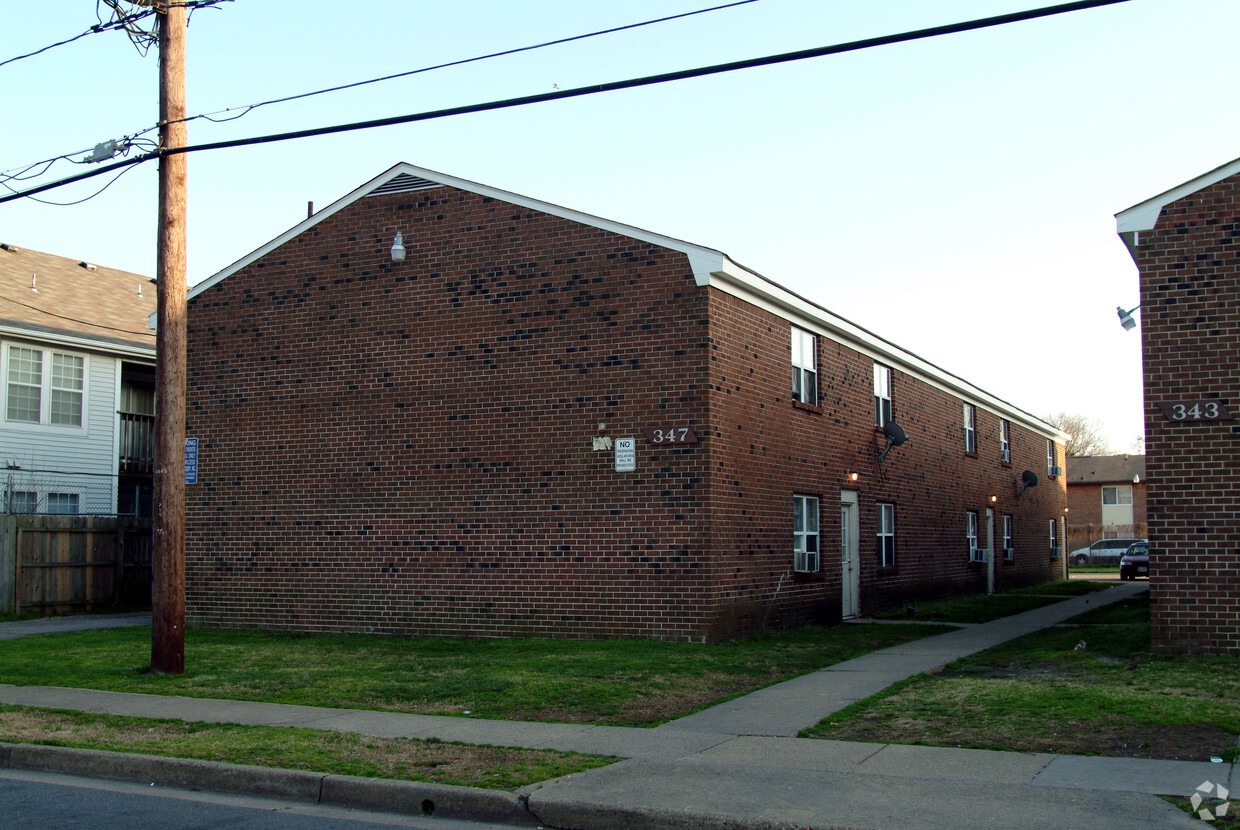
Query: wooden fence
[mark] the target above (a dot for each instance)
(1082, 536)
(60, 564)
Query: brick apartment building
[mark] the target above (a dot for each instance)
(1106, 498)
(544, 423)
(1185, 245)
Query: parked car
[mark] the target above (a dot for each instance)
(1102, 552)
(1135, 561)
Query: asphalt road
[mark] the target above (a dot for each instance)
(37, 801)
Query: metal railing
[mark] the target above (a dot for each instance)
(137, 452)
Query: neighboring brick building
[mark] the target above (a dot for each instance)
(1106, 498)
(1186, 244)
(431, 446)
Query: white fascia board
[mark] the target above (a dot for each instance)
(747, 285)
(710, 268)
(1142, 217)
(84, 344)
(696, 253)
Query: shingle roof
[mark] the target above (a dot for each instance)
(75, 301)
(1105, 469)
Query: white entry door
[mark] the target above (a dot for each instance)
(850, 571)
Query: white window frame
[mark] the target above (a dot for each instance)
(806, 549)
(804, 367)
(1052, 469)
(971, 521)
(46, 389)
(1009, 545)
(1118, 492)
(1054, 539)
(970, 428)
(1005, 441)
(74, 498)
(886, 535)
(882, 395)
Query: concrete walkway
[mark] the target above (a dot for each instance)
(734, 765)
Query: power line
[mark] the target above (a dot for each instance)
(79, 201)
(613, 86)
(245, 110)
(122, 21)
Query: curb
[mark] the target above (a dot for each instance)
(378, 794)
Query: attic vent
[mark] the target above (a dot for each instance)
(403, 183)
(89, 266)
(12, 249)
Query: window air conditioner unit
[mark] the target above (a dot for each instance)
(979, 555)
(1055, 552)
(805, 562)
(1005, 456)
(1056, 471)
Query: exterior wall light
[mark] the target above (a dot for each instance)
(398, 248)
(852, 475)
(1125, 317)
(994, 499)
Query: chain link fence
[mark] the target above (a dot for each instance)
(43, 492)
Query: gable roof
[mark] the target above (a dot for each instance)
(1105, 469)
(1143, 216)
(710, 268)
(54, 299)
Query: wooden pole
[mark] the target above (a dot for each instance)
(168, 578)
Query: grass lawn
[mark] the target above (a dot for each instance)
(1089, 687)
(983, 608)
(291, 748)
(622, 682)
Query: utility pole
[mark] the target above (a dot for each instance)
(168, 571)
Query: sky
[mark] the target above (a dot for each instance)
(955, 195)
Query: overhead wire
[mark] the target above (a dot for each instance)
(246, 109)
(121, 20)
(613, 86)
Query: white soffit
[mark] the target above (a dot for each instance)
(1142, 217)
(710, 268)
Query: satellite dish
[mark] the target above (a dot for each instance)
(1029, 479)
(895, 437)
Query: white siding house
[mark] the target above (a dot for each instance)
(76, 386)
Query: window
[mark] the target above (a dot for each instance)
(1054, 540)
(886, 535)
(1005, 441)
(805, 534)
(1009, 547)
(970, 428)
(1118, 494)
(882, 395)
(21, 501)
(804, 368)
(971, 531)
(1052, 469)
(64, 504)
(44, 387)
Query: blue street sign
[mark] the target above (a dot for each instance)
(191, 460)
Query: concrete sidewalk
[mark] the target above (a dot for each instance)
(735, 765)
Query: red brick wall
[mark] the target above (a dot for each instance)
(1085, 504)
(769, 448)
(1190, 341)
(407, 448)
